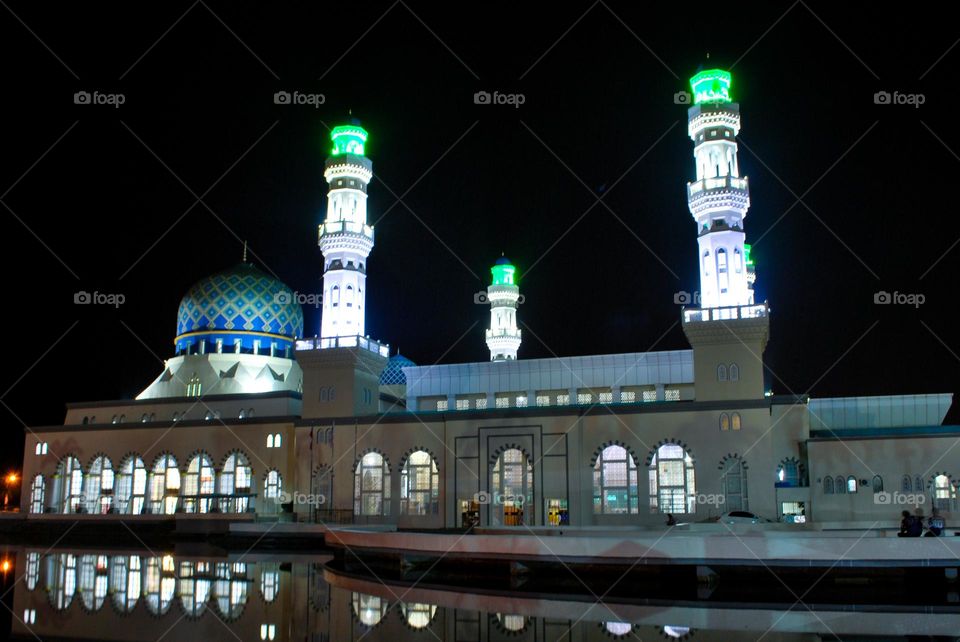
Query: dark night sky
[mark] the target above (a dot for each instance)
(598, 98)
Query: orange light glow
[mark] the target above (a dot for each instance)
(5, 566)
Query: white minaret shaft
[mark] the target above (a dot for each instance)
(503, 337)
(720, 197)
(345, 238)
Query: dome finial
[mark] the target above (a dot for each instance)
(244, 251)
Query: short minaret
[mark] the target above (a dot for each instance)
(503, 337)
(719, 197)
(345, 238)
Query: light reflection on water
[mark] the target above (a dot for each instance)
(137, 595)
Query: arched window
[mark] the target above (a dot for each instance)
(335, 296)
(269, 581)
(722, 269)
(721, 372)
(905, 484)
(706, 263)
(273, 487)
(369, 609)
(724, 421)
(944, 493)
(69, 486)
(37, 492)
(198, 484)
(512, 623)
(737, 261)
(734, 372)
(235, 483)
(788, 472)
(92, 583)
(918, 485)
(193, 386)
(417, 615)
(159, 584)
(512, 478)
(230, 588)
(618, 629)
(349, 296)
(32, 574)
(877, 484)
(61, 580)
(194, 587)
(841, 485)
(734, 483)
(851, 484)
(828, 485)
(321, 485)
(672, 482)
(371, 486)
(125, 582)
(131, 486)
(615, 482)
(164, 485)
(98, 487)
(419, 485)
(735, 421)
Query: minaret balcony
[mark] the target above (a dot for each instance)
(352, 341)
(345, 235)
(718, 194)
(698, 315)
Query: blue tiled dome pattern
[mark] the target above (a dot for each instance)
(241, 299)
(393, 373)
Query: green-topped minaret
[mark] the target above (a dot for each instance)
(503, 337)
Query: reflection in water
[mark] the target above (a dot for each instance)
(147, 595)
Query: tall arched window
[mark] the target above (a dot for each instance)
(906, 485)
(125, 582)
(918, 485)
(92, 583)
(98, 487)
(877, 484)
(131, 486)
(369, 609)
(615, 482)
(269, 581)
(164, 485)
(734, 484)
(419, 485)
(37, 492)
(944, 493)
(724, 421)
(841, 485)
(828, 485)
(734, 372)
(706, 263)
(69, 486)
(61, 580)
(321, 486)
(273, 487)
(851, 484)
(198, 484)
(737, 260)
(349, 296)
(230, 588)
(721, 372)
(672, 482)
(417, 615)
(194, 587)
(335, 296)
(788, 472)
(735, 421)
(512, 480)
(371, 486)
(235, 479)
(722, 270)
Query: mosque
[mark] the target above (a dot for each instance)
(252, 420)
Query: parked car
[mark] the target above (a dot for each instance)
(741, 517)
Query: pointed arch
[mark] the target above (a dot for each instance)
(419, 483)
(733, 482)
(672, 478)
(615, 480)
(371, 484)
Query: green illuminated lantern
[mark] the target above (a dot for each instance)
(746, 255)
(503, 272)
(711, 86)
(348, 139)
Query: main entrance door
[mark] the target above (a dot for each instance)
(511, 501)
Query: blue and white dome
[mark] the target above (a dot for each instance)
(239, 310)
(393, 373)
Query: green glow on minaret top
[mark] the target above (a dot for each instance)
(503, 272)
(711, 86)
(746, 255)
(348, 139)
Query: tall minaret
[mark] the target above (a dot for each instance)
(720, 197)
(503, 337)
(345, 237)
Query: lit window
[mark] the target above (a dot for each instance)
(724, 421)
(419, 485)
(672, 394)
(198, 484)
(628, 396)
(735, 420)
(615, 482)
(503, 402)
(441, 405)
(563, 400)
(584, 398)
(270, 441)
(605, 397)
(649, 395)
(418, 615)
(277, 438)
(788, 472)
(371, 486)
(463, 404)
(851, 484)
(29, 616)
(268, 631)
(672, 481)
(543, 400)
(37, 492)
(522, 401)
(481, 403)
(164, 485)
(369, 609)
(235, 484)
(272, 487)
(944, 493)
